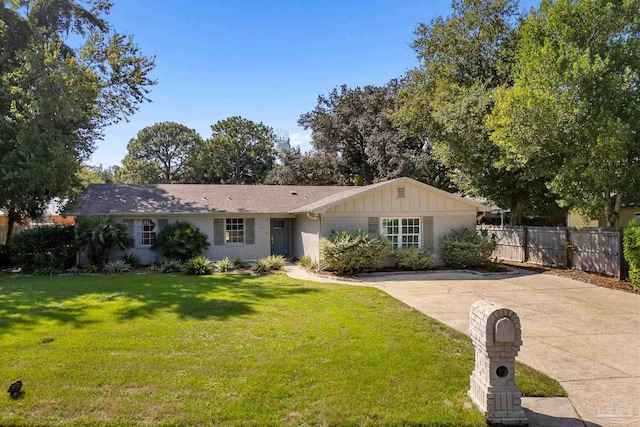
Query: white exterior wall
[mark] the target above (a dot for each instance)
(330, 223)
(260, 249)
(305, 237)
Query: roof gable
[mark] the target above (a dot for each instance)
(354, 193)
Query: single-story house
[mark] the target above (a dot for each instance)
(254, 221)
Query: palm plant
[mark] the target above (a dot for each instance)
(181, 240)
(99, 235)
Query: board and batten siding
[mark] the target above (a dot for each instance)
(416, 199)
(439, 214)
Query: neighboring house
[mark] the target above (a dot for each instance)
(50, 218)
(629, 211)
(254, 221)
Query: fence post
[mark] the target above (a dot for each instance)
(623, 266)
(568, 248)
(525, 242)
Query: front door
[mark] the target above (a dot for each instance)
(280, 237)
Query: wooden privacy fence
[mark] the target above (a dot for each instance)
(597, 250)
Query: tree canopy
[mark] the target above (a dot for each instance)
(575, 106)
(239, 151)
(354, 126)
(159, 154)
(464, 58)
(64, 76)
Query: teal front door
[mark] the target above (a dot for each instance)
(280, 237)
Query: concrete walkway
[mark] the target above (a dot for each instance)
(586, 337)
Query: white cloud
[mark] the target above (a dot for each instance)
(301, 139)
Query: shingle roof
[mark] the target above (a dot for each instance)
(108, 199)
(123, 199)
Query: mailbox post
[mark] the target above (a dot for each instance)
(496, 335)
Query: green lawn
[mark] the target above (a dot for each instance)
(229, 351)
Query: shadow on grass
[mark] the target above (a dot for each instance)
(27, 301)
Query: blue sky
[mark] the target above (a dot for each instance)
(266, 61)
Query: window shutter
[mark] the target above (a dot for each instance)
(218, 232)
(250, 231)
(162, 223)
(427, 233)
(374, 224)
(130, 227)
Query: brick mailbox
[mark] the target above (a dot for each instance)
(496, 335)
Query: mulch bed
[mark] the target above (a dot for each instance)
(582, 276)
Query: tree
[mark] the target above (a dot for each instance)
(464, 57)
(312, 168)
(354, 126)
(159, 154)
(55, 99)
(239, 151)
(575, 104)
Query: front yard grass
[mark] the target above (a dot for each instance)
(228, 351)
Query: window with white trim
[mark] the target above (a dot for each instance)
(234, 230)
(402, 232)
(146, 232)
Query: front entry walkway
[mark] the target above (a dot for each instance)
(586, 337)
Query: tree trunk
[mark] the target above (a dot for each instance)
(613, 206)
(12, 218)
(517, 211)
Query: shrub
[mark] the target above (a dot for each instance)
(276, 262)
(5, 256)
(99, 235)
(117, 266)
(414, 258)
(347, 252)
(464, 248)
(181, 240)
(262, 266)
(632, 251)
(132, 259)
(44, 247)
(198, 266)
(239, 263)
(225, 265)
(89, 269)
(46, 271)
(171, 266)
(308, 263)
(269, 263)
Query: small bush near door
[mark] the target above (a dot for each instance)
(632, 252)
(464, 248)
(347, 252)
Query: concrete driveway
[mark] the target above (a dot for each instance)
(586, 337)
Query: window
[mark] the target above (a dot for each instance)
(402, 232)
(234, 230)
(146, 232)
